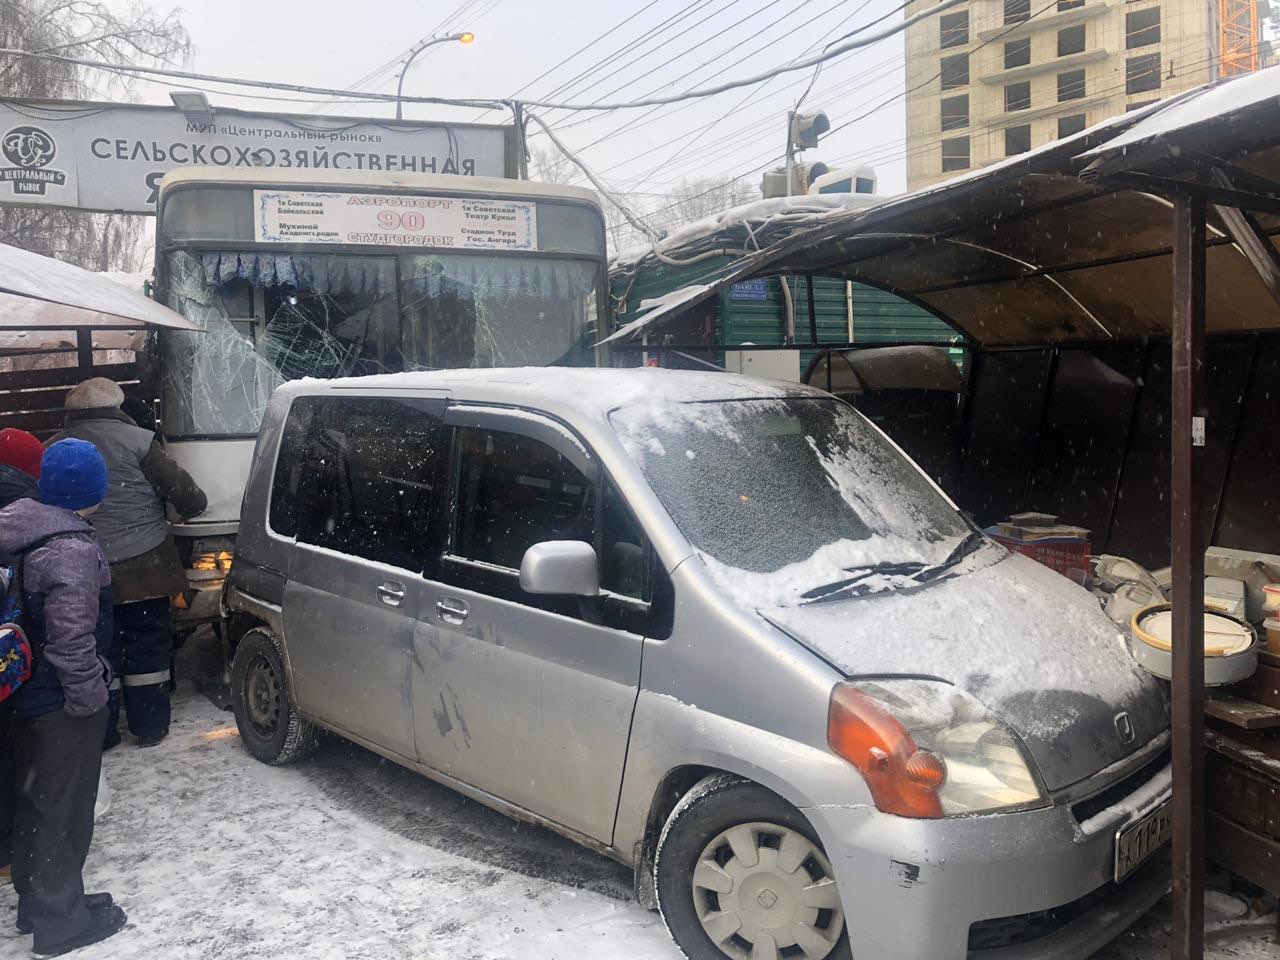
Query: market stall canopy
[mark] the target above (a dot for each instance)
(886, 368)
(38, 292)
(1066, 242)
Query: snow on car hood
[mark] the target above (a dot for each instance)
(1026, 641)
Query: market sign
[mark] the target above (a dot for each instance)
(393, 220)
(110, 157)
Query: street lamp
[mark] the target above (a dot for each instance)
(465, 37)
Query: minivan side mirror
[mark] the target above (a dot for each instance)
(561, 566)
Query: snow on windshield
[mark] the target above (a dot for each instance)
(784, 495)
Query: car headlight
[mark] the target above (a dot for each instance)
(927, 749)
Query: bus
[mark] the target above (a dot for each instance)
(335, 273)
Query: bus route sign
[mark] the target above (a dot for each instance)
(394, 220)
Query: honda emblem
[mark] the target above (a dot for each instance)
(1124, 727)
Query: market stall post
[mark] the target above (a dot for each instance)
(1187, 438)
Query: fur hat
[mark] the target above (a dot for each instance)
(72, 475)
(96, 393)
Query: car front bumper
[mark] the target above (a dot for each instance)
(1036, 886)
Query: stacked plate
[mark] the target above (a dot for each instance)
(1230, 645)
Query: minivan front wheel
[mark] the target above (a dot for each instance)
(741, 875)
(269, 727)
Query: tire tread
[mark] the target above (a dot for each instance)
(301, 737)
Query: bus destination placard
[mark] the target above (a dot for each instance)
(394, 220)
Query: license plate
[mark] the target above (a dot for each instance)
(1140, 839)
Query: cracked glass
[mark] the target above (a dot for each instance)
(266, 318)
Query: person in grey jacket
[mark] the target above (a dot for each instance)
(134, 532)
(59, 715)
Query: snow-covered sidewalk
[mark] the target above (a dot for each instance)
(348, 857)
(215, 855)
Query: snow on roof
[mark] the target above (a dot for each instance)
(667, 301)
(399, 180)
(582, 390)
(1200, 105)
(135, 281)
(1060, 158)
(754, 216)
(92, 299)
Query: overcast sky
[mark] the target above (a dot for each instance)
(337, 44)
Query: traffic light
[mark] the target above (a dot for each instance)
(807, 128)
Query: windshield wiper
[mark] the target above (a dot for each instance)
(909, 573)
(971, 542)
(847, 586)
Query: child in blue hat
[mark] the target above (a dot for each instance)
(59, 715)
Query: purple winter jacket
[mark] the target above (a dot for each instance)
(66, 579)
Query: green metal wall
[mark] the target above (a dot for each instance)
(878, 317)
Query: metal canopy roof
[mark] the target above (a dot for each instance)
(1065, 242)
(40, 292)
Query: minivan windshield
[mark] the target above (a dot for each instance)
(785, 495)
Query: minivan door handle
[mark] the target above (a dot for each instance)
(391, 592)
(452, 610)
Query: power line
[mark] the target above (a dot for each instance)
(480, 102)
(581, 49)
(853, 43)
(719, 33)
(638, 120)
(748, 131)
(655, 31)
(754, 93)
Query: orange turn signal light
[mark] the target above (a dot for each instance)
(903, 779)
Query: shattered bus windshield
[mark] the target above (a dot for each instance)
(338, 316)
(521, 287)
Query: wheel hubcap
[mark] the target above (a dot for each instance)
(262, 697)
(760, 890)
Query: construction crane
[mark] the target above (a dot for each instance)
(1237, 37)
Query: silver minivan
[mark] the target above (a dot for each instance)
(718, 628)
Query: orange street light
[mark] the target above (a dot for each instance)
(465, 37)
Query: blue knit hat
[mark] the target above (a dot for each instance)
(72, 475)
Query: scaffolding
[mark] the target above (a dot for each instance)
(1237, 37)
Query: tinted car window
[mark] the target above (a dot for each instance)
(513, 492)
(357, 475)
(623, 549)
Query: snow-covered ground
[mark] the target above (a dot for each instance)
(346, 856)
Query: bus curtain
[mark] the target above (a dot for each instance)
(456, 276)
(315, 273)
(444, 276)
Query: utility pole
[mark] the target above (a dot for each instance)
(791, 153)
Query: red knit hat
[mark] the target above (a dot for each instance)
(21, 450)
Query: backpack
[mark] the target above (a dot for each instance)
(17, 659)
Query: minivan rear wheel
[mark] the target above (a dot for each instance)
(269, 726)
(740, 874)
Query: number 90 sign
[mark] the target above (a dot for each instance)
(395, 220)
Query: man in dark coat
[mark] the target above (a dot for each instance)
(134, 532)
(59, 715)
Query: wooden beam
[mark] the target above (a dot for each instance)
(1171, 187)
(1187, 538)
(1244, 714)
(1250, 238)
